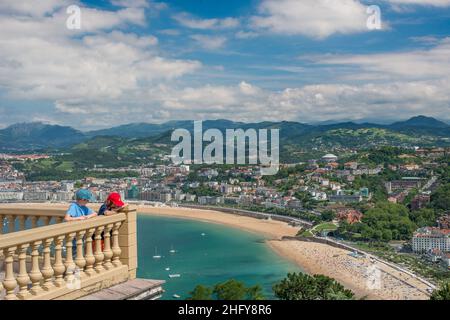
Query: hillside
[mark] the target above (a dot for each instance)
(417, 131)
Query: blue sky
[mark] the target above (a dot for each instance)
(246, 60)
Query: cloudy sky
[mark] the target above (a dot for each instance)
(245, 60)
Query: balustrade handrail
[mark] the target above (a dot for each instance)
(46, 262)
(51, 212)
(52, 231)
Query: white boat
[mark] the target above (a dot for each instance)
(203, 234)
(167, 269)
(156, 256)
(172, 250)
(176, 275)
(176, 296)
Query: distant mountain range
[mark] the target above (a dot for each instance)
(420, 130)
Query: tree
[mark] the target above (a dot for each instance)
(200, 292)
(328, 215)
(443, 293)
(440, 199)
(228, 290)
(78, 185)
(423, 217)
(300, 286)
(236, 290)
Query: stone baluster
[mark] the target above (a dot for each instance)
(99, 256)
(35, 273)
(69, 264)
(47, 270)
(9, 283)
(59, 219)
(115, 245)
(46, 220)
(34, 222)
(79, 260)
(107, 249)
(58, 266)
(22, 278)
(11, 222)
(22, 220)
(90, 258)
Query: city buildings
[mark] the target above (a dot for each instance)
(430, 238)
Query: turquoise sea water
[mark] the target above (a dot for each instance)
(222, 253)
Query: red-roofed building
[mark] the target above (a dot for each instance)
(430, 238)
(350, 215)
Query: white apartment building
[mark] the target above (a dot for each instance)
(10, 195)
(428, 238)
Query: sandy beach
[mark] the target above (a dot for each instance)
(313, 258)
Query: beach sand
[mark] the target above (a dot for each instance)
(313, 258)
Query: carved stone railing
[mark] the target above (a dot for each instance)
(67, 260)
(18, 219)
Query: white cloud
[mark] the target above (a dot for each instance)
(246, 34)
(209, 42)
(109, 76)
(419, 64)
(436, 3)
(33, 8)
(189, 21)
(131, 3)
(41, 60)
(312, 18)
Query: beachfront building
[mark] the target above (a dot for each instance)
(11, 196)
(208, 200)
(430, 238)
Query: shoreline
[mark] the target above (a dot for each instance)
(310, 257)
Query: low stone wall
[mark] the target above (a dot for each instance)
(253, 214)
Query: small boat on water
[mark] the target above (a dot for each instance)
(167, 269)
(172, 250)
(203, 234)
(176, 275)
(156, 256)
(176, 296)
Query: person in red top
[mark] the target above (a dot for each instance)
(112, 205)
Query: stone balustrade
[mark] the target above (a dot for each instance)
(18, 219)
(67, 260)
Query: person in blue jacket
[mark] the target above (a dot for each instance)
(78, 210)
